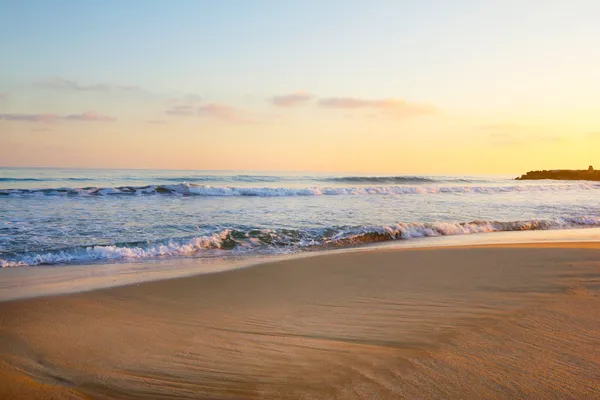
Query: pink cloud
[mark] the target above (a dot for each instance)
(224, 113)
(395, 107)
(292, 99)
(89, 116)
(48, 117)
(30, 117)
(184, 107)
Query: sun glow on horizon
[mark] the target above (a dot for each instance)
(455, 88)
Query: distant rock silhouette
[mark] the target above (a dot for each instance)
(563, 174)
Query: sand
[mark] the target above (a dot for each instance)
(509, 321)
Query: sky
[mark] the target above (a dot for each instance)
(430, 87)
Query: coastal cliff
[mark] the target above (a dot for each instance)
(563, 174)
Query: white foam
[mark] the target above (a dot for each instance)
(108, 253)
(286, 241)
(191, 189)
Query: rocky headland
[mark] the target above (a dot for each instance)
(563, 174)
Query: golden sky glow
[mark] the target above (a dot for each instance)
(472, 88)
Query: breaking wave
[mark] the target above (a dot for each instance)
(399, 180)
(382, 179)
(191, 189)
(21, 180)
(257, 178)
(277, 241)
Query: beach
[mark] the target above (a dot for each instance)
(299, 200)
(489, 321)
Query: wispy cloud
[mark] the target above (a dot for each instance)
(64, 84)
(511, 133)
(30, 117)
(57, 83)
(89, 116)
(191, 98)
(225, 113)
(217, 111)
(183, 106)
(395, 107)
(49, 117)
(181, 110)
(292, 99)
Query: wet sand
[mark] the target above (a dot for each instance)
(507, 321)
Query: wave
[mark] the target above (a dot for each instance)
(43, 179)
(21, 180)
(191, 189)
(218, 178)
(381, 179)
(256, 178)
(190, 178)
(278, 241)
(399, 180)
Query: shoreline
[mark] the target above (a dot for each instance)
(18, 283)
(386, 323)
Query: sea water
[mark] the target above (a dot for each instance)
(74, 216)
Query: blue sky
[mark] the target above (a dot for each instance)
(425, 49)
(506, 61)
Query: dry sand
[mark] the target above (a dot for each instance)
(472, 322)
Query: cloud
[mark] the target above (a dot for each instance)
(188, 100)
(89, 116)
(181, 110)
(395, 107)
(30, 117)
(131, 89)
(210, 110)
(183, 106)
(64, 84)
(225, 113)
(510, 133)
(40, 130)
(292, 99)
(157, 122)
(191, 98)
(57, 83)
(49, 117)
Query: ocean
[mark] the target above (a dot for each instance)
(74, 216)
